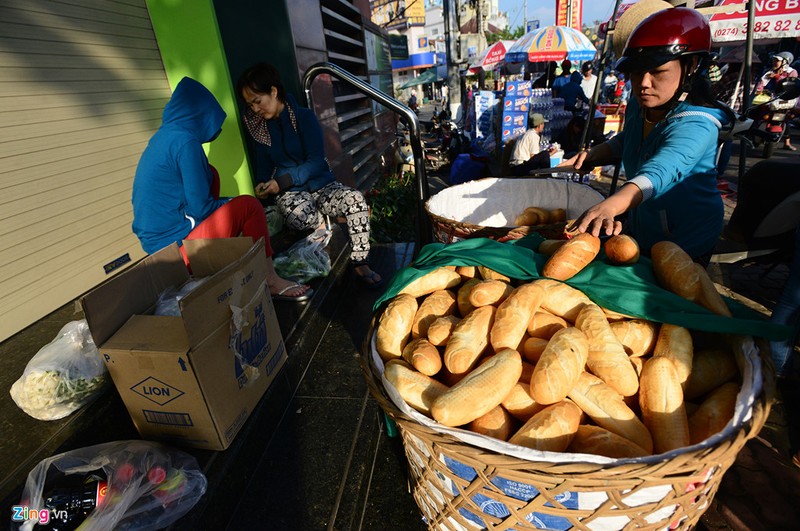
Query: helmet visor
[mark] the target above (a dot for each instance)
(644, 59)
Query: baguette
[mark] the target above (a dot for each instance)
(467, 272)
(423, 356)
(419, 391)
(714, 413)
(675, 343)
(621, 250)
(519, 402)
(437, 304)
(480, 391)
(533, 347)
(548, 247)
(710, 369)
(607, 409)
(561, 299)
(551, 429)
(488, 292)
(469, 339)
(497, 423)
(513, 315)
(439, 278)
(440, 330)
(558, 215)
(708, 296)
(572, 257)
(545, 324)
(462, 296)
(394, 326)
(491, 274)
(599, 441)
(607, 358)
(661, 402)
(560, 366)
(638, 336)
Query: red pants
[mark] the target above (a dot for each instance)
(243, 215)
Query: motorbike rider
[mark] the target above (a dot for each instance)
(780, 69)
(668, 145)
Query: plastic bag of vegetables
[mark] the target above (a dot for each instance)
(64, 375)
(305, 259)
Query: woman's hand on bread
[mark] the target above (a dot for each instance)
(599, 220)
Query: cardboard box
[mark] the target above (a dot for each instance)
(519, 88)
(516, 104)
(191, 379)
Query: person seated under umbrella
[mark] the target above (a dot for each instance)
(528, 154)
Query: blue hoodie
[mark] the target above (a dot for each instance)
(172, 186)
(675, 168)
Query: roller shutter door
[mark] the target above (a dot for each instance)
(82, 87)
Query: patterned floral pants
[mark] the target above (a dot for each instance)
(304, 210)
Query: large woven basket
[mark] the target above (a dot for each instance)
(486, 208)
(461, 486)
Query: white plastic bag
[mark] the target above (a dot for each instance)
(64, 375)
(137, 486)
(305, 259)
(167, 303)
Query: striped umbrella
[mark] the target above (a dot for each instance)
(551, 43)
(491, 57)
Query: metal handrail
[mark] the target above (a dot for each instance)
(425, 234)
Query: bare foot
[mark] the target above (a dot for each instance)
(368, 276)
(281, 286)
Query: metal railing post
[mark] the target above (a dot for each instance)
(424, 229)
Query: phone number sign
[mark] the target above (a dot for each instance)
(774, 19)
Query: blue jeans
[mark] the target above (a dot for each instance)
(787, 312)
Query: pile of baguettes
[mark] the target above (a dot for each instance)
(540, 365)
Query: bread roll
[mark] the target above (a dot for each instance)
(497, 423)
(661, 401)
(467, 272)
(533, 347)
(440, 330)
(462, 297)
(548, 247)
(621, 250)
(439, 278)
(480, 391)
(675, 343)
(676, 272)
(491, 274)
(560, 366)
(551, 429)
(419, 391)
(513, 315)
(438, 304)
(545, 324)
(710, 369)
(638, 336)
(613, 316)
(599, 441)
(558, 215)
(714, 413)
(423, 356)
(519, 402)
(394, 327)
(607, 409)
(488, 292)
(527, 218)
(561, 299)
(572, 257)
(542, 215)
(469, 339)
(527, 371)
(607, 358)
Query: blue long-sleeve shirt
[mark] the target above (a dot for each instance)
(172, 186)
(675, 168)
(295, 148)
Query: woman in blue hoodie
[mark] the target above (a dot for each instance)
(291, 165)
(176, 191)
(669, 143)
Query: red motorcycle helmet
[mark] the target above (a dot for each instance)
(664, 36)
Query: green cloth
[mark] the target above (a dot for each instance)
(631, 290)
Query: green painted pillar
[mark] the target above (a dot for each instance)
(190, 44)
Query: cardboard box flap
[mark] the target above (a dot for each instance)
(142, 333)
(209, 256)
(208, 306)
(109, 306)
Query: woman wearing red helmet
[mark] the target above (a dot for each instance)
(668, 145)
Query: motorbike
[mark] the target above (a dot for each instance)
(771, 115)
(767, 211)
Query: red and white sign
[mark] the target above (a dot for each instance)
(774, 19)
